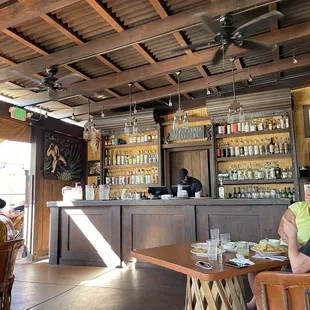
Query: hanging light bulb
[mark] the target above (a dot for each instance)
(46, 116)
(294, 59)
(250, 80)
(73, 116)
(170, 102)
(175, 124)
(208, 91)
(85, 134)
(185, 122)
(135, 109)
(102, 114)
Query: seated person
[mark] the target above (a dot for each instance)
(299, 257)
(301, 212)
(7, 231)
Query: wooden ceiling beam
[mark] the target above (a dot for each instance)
(273, 27)
(132, 36)
(240, 68)
(52, 21)
(109, 18)
(23, 11)
(194, 85)
(182, 62)
(158, 6)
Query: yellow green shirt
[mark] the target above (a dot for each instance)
(302, 219)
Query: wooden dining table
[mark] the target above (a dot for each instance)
(219, 288)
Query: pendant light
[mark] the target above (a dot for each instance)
(131, 125)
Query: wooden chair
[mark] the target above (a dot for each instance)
(282, 290)
(8, 254)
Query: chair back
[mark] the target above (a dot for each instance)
(282, 290)
(3, 232)
(8, 254)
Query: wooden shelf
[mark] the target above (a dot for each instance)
(130, 166)
(123, 146)
(253, 133)
(132, 185)
(235, 158)
(274, 181)
(186, 144)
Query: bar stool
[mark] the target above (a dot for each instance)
(8, 254)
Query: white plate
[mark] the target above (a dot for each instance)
(263, 253)
(199, 245)
(205, 254)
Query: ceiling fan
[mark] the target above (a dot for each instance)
(54, 85)
(226, 34)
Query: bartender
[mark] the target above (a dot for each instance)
(194, 183)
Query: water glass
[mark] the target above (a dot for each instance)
(225, 238)
(243, 248)
(212, 249)
(215, 234)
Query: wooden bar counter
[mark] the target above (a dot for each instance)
(103, 233)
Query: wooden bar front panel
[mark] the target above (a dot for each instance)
(90, 236)
(151, 226)
(250, 223)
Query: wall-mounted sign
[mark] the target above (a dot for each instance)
(193, 132)
(18, 113)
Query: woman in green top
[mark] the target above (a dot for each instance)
(301, 211)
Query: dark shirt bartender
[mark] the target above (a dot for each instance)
(194, 183)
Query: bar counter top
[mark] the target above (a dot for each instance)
(167, 202)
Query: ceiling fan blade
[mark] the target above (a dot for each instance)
(195, 46)
(256, 45)
(26, 88)
(251, 27)
(208, 24)
(69, 79)
(84, 93)
(27, 77)
(53, 95)
(218, 56)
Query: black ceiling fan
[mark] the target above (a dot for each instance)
(54, 85)
(226, 34)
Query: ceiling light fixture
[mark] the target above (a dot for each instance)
(102, 113)
(46, 116)
(89, 126)
(235, 108)
(250, 80)
(170, 102)
(208, 91)
(73, 116)
(131, 122)
(179, 115)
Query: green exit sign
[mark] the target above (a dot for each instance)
(18, 113)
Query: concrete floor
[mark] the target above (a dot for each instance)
(42, 287)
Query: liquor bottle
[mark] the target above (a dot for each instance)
(274, 124)
(106, 160)
(111, 159)
(145, 157)
(246, 127)
(285, 146)
(234, 195)
(278, 124)
(250, 173)
(242, 192)
(219, 129)
(221, 190)
(141, 157)
(228, 129)
(256, 148)
(266, 146)
(277, 172)
(251, 148)
(218, 151)
(261, 147)
(118, 158)
(276, 147)
(289, 194)
(287, 124)
(232, 149)
(253, 126)
(237, 149)
(223, 128)
(260, 126)
(126, 159)
(246, 148)
(282, 122)
(281, 147)
(239, 193)
(122, 156)
(293, 195)
(241, 148)
(235, 174)
(270, 124)
(223, 150)
(271, 146)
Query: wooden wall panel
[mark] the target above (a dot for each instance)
(254, 222)
(150, 226)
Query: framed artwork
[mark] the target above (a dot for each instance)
(62, 157)
(307, 120)
(93, 168)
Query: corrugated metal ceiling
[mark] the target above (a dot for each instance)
(177, 6)
(155, 82)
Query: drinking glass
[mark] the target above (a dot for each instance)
(225, 238)
(243, 248)
(212, 249)
(215, 234)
